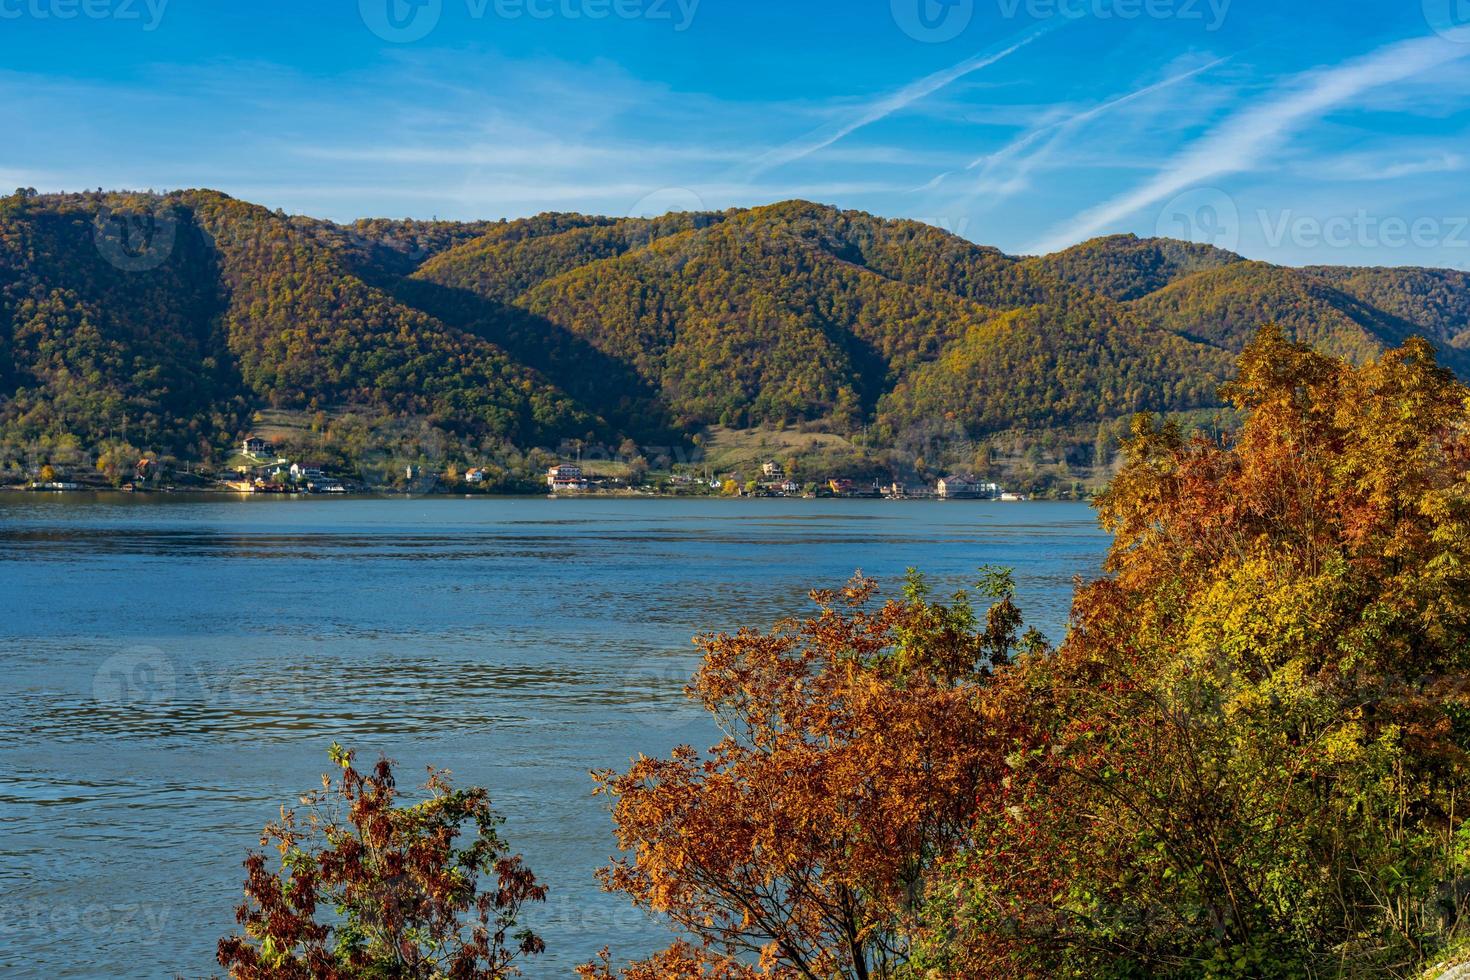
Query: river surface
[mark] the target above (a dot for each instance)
(176, 667)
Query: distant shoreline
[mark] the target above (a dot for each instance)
(458, 495)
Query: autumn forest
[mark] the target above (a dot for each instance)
(165, 324)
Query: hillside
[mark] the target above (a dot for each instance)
(1045, 366)
(1226, 307)
(167, 323)
(91, 347)
(1435, 301)
(1126, 267)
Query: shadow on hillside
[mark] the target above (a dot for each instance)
(602, 383)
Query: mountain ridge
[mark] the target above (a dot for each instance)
(169, 322)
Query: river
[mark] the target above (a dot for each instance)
(177, 666)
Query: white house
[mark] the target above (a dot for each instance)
(566, 478)
(967, 488)
(255, 446)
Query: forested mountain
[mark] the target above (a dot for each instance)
(95, 341)
(1055, 365)
(1125, 267)
(167, 321)
(1435, 301)
(1227, 306)
(307, 333)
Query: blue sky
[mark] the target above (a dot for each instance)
(1295, 131)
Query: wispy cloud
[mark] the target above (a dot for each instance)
(541, 153)
(886, 106)
(513, 196)
(1382, 166)
(1245, 139)
(1007, 172)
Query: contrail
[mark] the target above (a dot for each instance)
(992, 161)
(888, 105)
(1243, 140)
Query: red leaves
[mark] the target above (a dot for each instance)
(681, 961)
(855, 754)
(405, 901)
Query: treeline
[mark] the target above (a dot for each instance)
(167, 321)
(1247, 757)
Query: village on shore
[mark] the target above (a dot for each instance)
(570, 478)
(257, 468)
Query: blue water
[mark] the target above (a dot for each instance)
(176, 668)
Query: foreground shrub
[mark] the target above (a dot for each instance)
(803, 843)
(1249, 756)
(365, 888)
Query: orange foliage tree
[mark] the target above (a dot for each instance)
(802, 844)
